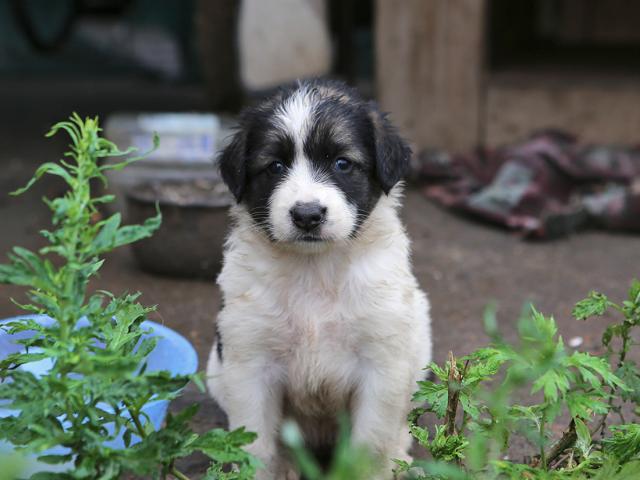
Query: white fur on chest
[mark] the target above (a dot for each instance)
(319, 320)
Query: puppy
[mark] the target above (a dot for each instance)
(322, 313)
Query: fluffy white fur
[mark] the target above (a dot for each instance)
(345, 327)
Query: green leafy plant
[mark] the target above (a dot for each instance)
(475, 401)
(97, 385)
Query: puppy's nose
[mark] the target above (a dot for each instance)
(309, 215)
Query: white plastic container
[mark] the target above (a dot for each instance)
(189, 143)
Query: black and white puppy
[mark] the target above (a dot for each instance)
(321, 313)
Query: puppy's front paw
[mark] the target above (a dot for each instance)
(267, 454)
(291, 474)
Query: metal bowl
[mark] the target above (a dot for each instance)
(194, 225)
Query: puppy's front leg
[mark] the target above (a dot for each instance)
(379, 415)
(253, 400)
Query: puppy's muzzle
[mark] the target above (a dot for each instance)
(308, 216)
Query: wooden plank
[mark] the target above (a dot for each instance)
(599, 108)
(430, 67)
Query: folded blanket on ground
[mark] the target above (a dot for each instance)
(545, 187)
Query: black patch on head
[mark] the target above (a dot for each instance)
(235, 160)
(343, 125)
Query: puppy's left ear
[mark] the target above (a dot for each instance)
(393, 154)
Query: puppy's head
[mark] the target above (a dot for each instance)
(310, 163)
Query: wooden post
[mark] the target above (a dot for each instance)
(430, 67)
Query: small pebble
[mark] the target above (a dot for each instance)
(575, 342)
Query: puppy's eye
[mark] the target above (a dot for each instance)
(343, 165)
(276, 168)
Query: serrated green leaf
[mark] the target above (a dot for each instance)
(625, 442)
(434, 394)
(596, 304)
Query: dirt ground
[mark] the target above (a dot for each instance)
(462, 265)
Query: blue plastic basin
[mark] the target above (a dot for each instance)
(173, 353)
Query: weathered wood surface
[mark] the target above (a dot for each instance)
(430, 68)
(599, 108)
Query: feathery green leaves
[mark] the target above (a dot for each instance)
(476, 398)
(95, 384)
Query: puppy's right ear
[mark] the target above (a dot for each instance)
(233, 165)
